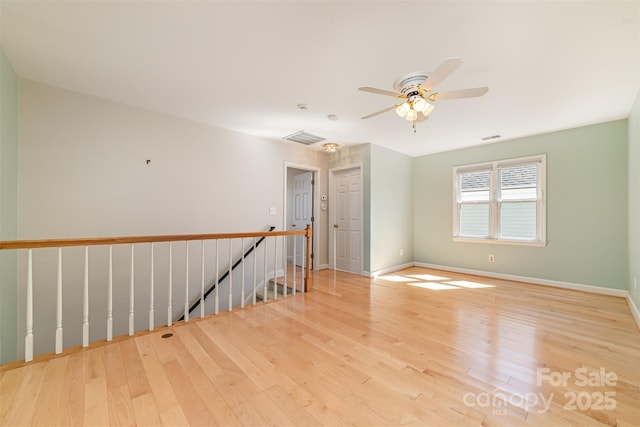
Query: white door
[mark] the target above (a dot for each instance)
(348, 218)
(301, 207)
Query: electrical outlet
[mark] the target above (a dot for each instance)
(401, 252)
(492, 258)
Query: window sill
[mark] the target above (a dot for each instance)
(500, 242)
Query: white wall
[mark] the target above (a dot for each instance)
(83, 173)
(83, 170)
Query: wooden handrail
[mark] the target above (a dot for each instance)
(57, 243)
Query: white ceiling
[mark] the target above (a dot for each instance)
(245, 66)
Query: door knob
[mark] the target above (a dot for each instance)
(335, 225)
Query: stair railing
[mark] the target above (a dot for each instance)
(110, 242)
(212, 286)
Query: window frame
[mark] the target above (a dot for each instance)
(495, 202)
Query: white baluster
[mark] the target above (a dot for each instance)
(202, 279)
(304, 258)
(295, 239)
(28, 339)
(110, 297)
(186, 281)
(131, 294)
(284, 262)
(255, 262)
(85, 300)
(275, 267)
(265, 293)
(216, 307)
(242, 281)
(151, 286)
(230, 275)
(59, 305)
(170, 306)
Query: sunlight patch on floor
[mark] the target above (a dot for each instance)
(467, 284)
(428, 277)
(398, 278)
(434, 286)
(434, 283)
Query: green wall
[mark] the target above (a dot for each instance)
(8, 207)
(634, 201)
(391, 208)
(586, 208)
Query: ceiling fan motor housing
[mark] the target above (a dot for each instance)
(408, 83)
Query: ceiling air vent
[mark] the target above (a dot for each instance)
(303, 137)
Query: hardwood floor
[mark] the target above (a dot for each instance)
(418, 347)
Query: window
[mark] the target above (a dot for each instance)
(501, 202)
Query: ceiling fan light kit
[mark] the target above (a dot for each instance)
(410, 109)
(416, 90)
(330, 147)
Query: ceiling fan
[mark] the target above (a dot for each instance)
(415, 92)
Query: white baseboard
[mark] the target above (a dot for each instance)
(634, 309)
(545, 282)
(323, 267)
(391, 269)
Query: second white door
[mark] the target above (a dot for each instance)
(348, 220)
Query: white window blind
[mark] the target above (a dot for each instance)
(517, 201)
(500, 201)
(474, 208)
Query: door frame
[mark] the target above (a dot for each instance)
(332, 213)
(316, 227)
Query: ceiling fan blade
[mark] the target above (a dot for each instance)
(378, 112)
(462, 93)
(442, 72)
(380, 91)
